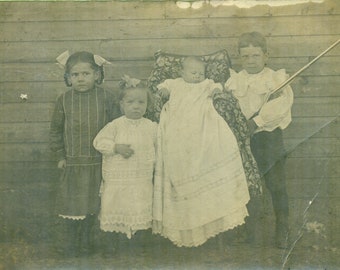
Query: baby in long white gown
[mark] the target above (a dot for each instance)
(200, 186)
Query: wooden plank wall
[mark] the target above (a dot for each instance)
(128, 34)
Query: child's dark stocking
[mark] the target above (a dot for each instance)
(280, 205)
(109, 244)
(86, 243)
(68, 246)
(255, 209)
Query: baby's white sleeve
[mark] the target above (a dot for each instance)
(104, 142)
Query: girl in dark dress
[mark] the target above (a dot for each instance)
(79, 114)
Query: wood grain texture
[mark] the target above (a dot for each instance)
(128, 34)
(314, 107)
(46, 72)
(303, 86)
(34, 132)
(41, 92)
(318, 127)
(41, 112)
(297, 168)
(298, 131)
(170, 28)
(314, 147)
(61, 11)
(24, 152)
(325, 187)
(141, 49)
(26, 112)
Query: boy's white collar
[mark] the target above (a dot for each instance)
(264, 70)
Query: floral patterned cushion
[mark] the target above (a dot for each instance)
(168, 66)
(227, 106)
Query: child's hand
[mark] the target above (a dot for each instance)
(62, 164)
(124, 150)
(164, 93)
(275, 95)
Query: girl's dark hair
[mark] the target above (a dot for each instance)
(82, 57)
(252, 38)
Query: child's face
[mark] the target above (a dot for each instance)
(83, 77)
(193, 72)
(253, 59)
(134, 103)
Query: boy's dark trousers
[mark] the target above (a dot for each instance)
(269, 153)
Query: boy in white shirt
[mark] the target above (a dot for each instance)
(266, 120)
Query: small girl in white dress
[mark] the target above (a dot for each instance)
(128, 148)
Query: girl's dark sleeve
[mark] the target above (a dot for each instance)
(57, 130)
(113, 107)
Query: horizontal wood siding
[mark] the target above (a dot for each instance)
(128, 34)
(169, 28)
(141, 49)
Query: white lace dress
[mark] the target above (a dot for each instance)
(126, 193)
(200, 186)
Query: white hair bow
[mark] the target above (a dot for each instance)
(129, 82)
(62, 59)
(100, 60)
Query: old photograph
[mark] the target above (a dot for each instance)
(170, 134)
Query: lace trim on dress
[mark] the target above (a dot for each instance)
(198, 236)
(73, 217)
(128, 225)
(133, 175)
(122, 228)
(133, 122)
(130, 221)
(186, 193)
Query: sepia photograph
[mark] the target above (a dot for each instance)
(170, 135)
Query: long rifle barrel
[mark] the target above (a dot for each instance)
(302, 69)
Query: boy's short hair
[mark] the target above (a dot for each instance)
(255, 39)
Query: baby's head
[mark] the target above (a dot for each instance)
(252, 48)
(134, 99)
(82, 72)
(193, 69)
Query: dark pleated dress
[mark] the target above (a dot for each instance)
(76, 120)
